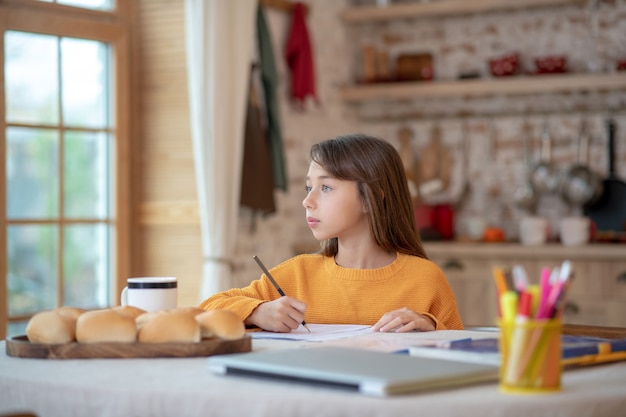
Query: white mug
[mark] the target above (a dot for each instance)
(574, 230)
(475, 227)
(533, 230)
(151, 293)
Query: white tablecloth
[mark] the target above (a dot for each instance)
(185, 388)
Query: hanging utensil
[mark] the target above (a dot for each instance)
(465, 170)
(493, 173)
(494, 211)
(545, 176)
(525, 197)
(435, 167)
(609, 212)
(579, 186)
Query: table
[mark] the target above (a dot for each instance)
(183, 387)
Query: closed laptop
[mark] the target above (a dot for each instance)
(366, 371)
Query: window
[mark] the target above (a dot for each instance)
(64, 139)
(88, 4)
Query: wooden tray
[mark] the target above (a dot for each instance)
(19, 346)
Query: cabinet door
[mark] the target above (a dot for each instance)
(473, 288)
(597, 294)
(617, 289)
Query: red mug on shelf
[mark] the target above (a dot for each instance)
(551, 64)
(504, 66)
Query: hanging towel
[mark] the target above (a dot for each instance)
(300, 58)
(269, 78)
(257, 184)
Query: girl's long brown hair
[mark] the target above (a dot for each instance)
(375, 165)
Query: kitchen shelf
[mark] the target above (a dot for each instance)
(522, 85)
(362, 14)
(481, 250)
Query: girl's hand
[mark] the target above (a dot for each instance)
(404, 320)
(281, 315)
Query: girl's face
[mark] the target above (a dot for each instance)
(333, 207)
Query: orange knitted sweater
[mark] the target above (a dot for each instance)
(337, 295)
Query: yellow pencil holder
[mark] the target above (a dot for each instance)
(530, 356)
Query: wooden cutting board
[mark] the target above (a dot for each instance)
(19, 346)
(435, 165)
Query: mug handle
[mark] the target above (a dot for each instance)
(124, 297)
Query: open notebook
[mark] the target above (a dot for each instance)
(366, 371)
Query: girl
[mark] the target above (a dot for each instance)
(371, 269)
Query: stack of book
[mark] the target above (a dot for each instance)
(576, 350)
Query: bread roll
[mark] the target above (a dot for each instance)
(168, 327)
(105, 326)
(221, 323)
(50, 327)
(70, 312)
(142, 319)
(131, 311)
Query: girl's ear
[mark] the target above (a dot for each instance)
(382, 197)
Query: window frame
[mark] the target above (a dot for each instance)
(114, 28)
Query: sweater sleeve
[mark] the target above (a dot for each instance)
(444, 309)
(242, 301)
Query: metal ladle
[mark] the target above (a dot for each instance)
(545, 176)
(579, 185)
(525, 197)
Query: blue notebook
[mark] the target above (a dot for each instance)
(576, 350)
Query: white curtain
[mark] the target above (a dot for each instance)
(220, 43)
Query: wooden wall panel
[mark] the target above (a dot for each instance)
(175, 250)
(167, 161)
(168, 232)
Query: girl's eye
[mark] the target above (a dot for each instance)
(307, 188)
(325, 188)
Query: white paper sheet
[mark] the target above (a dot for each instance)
(319, 332)
(355, 335)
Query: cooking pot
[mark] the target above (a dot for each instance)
(579, 186)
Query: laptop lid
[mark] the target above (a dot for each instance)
(366, 371)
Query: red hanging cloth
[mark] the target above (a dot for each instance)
(300, 57)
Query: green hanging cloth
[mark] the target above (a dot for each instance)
(269, 78)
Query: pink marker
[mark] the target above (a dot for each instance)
(544, 291)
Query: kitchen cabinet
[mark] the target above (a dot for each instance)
(565, 83)
(597, 294)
